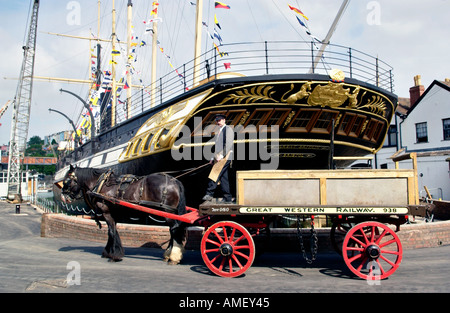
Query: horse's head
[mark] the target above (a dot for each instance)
(71, 190)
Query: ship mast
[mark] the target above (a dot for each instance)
(198, 39)
(113, 67)
(326, 41)
(129, 16)
(154, 52)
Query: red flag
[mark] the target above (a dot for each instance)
(227, 65)
(220, 5)
(298, 11)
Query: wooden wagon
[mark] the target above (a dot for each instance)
(366, 207)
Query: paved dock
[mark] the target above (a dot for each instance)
(30, 263)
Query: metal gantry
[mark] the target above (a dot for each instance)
(21, 109)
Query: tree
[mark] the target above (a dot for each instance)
(34, 147)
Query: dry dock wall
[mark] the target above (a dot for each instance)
(412, 236)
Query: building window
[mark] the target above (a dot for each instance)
(391, 138)
(446, 127)
(421, 132)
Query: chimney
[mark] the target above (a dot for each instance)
(416, 91)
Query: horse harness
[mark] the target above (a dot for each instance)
(124, 182)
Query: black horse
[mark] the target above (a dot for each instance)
(161, 190)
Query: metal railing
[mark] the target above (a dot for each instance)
(253, 59)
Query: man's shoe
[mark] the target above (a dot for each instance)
(207, 198)
(224, 201)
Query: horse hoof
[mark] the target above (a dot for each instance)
(170, 262)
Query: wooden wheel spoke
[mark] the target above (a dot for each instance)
(387, 243)
(381, 237)
(212, 250)
(359, 241)
(232, 235)
(241, 255)
(392, 264)
(241, 247)
(363, 261)
(239, 239)
(237, 261)
(358, 256)
(218, 236)
(213, 242)
(364, 236)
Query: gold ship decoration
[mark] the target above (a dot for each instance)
(159, 132)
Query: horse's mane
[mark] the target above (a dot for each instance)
(86, 174)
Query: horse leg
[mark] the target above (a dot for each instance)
(176, 248)
(168, 250)
(177, 229)
(113, 249)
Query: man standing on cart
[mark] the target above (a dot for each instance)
(223, 154)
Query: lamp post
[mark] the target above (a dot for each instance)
(77, 138)
(86, 105)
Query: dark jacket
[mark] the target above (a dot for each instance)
(224, 141)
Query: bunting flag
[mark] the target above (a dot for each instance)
(304, 26)
(115, 52)
(216, 34)
(220, 5)
(216, 21)
(227, 65)
(298, 11)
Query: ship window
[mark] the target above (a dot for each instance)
(277, 118)
(355, 129)
(303, 121)
(323, 123)
(258, 117)
(136, 146)
(234, 116)
(373, 130)
(210, 119)
(147, 142)
(127, 153)
(346, 124)
(370, 129)
(377, 132)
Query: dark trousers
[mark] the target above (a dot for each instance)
(224, 184)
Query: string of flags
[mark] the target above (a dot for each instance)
(303, 24)
(214, 34)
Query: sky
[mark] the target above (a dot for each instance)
(412, 36)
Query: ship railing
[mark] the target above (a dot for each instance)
(263, 58)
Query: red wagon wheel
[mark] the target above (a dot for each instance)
(372, 250)
(227, 249)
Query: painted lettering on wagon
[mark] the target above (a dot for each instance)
(355, 210)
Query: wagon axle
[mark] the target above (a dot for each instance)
(373, 251)
(226, 249)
